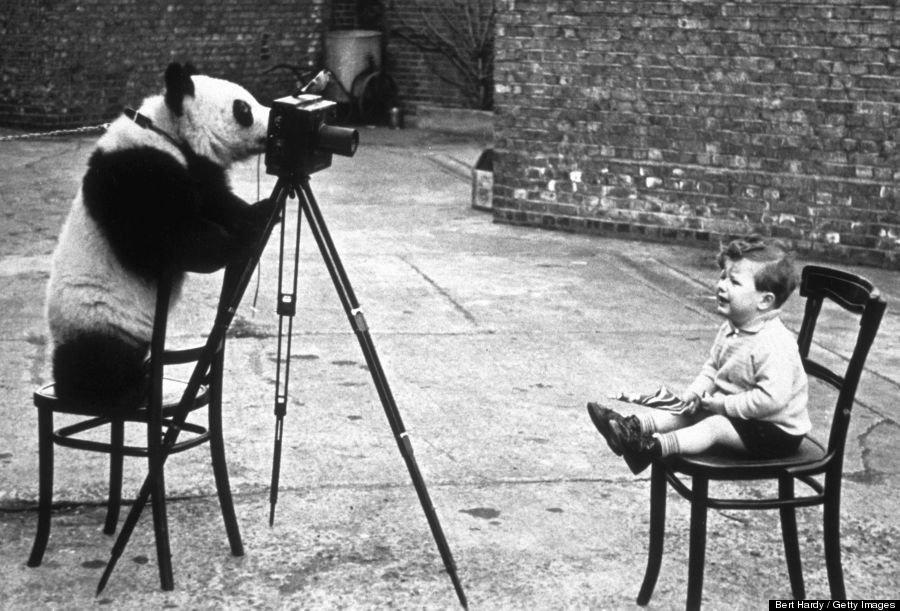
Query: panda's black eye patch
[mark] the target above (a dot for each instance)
(242, 113)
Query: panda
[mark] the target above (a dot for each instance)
(151, 197)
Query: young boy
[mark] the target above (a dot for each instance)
(751, 394)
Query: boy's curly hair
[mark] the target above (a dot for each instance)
(777, 275)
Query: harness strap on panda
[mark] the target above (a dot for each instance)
(147, 123)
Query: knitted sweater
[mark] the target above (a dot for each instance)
(759, 372)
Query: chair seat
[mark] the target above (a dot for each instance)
(722, 464)
(45, 398)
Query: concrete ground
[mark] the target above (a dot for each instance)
(492, 338)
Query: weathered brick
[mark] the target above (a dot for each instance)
(68, 63)
(73, 63)
(717, 118)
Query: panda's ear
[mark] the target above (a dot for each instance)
(178, 85)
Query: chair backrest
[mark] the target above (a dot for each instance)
(234, 283)
(158, 338)
(856, 295)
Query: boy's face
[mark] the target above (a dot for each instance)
(736, 296)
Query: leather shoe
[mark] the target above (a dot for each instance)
(638, 449)
(602, 417)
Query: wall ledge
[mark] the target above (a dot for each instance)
(452, 120)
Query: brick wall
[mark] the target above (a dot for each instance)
(704, 119)
(69, 63)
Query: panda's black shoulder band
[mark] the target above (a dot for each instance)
(145, 122)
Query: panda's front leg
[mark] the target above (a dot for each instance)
(248, 222)
(205, 247)
(237, 215)
(208, 244)
(262, 211)
(258, 218)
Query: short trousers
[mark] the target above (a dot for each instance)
(765, 439)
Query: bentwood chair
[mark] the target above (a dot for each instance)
(816, 465)
(162, 410)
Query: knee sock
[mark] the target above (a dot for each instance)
(647, 424)
(668, 444)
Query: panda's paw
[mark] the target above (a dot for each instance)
(264, 209)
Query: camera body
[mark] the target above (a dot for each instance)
(300, 140)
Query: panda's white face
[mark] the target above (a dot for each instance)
(223, 121)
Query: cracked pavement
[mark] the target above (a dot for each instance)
(493, 338)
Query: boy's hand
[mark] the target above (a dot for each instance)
(713, 404)
(691, 403)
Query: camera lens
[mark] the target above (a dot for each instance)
(338, 140)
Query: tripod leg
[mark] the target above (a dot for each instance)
(287, 305)
(358, 323)
(276, 467)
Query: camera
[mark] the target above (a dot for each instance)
(300, 141)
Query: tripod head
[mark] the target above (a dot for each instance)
(300, 141)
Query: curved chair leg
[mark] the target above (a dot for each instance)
(45, 493)
(116, 458)
(657, 532)
(697, 549)
(832, 528)
(789, 535)
(217, 451)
